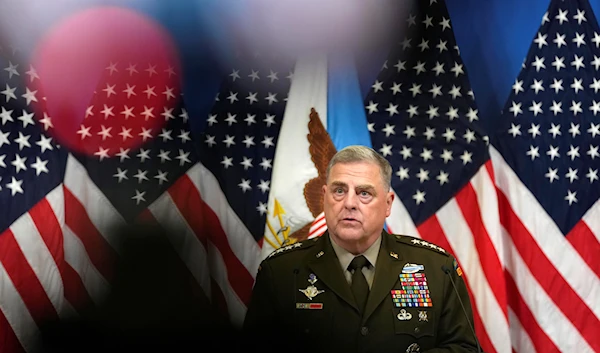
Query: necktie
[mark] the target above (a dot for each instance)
(360, 287)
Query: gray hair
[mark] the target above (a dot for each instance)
(358, 153)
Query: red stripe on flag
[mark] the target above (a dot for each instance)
(205, 223)
(101, 254)
(432, 231)
(490, 263)
(51, 232)
(25, 280)
(489, 166)
(8, 340)
(585, 243)
(540, 340)
(548, 276)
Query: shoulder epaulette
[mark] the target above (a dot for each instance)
(299, 245)
(420, 243)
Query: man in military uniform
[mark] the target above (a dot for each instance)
(358, 288)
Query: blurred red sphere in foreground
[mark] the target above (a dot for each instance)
(108, 79)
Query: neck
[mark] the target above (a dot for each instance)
(355, 247)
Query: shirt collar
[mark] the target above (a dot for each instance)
(345, 257)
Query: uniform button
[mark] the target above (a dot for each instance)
(364, 331)
(417, 330)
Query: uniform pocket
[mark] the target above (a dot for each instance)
(414, 322)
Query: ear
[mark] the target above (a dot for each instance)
(324, 190)
(389, 199)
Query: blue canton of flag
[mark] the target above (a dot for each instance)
(31, 164)
(422, 114)
(551, 134)
(239, 142)
(133, 178)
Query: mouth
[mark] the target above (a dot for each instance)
(349, 219)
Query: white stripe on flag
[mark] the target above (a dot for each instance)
(592, 219)
(17, 314)
(399, 220)
(39, 258)
(553, 322)
(520, 340)
(549, 238)
(460, 238)
(76, 256)
(186, 244)
(241, 242)
(99, 209)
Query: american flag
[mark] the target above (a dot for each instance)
(63, 210)
(237, 150)
(423, 118)
(547, 161)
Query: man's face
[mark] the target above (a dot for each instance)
(356, 204)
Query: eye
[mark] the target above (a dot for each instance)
(338, 191)
(365, 193)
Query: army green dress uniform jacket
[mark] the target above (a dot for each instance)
(301, 300)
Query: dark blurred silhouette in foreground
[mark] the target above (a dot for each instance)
(155, 305)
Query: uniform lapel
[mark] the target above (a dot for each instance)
(326, 266)
(389, 265)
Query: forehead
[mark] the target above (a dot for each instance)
(355, 172)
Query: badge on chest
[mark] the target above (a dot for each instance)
(415, 290)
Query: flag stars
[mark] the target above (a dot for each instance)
(556, 107)
(466, 157)
(269, 119)
(139, 197)
(143, 155)
(164, 156)
(149, 91)
(577, 62)
(231, 119)
(161, 177)
(419, 197)
(428, 21)
(574, 130)
(409, 131)
(577, 85)
(557, 85)
(559, 63)
(580, 16)
(539, 63)
(235, 74)
(595, 85)
(540, 40)
(424, 45)
(594, 129)
(12, 70)
(552, 174)
(45, 143)
(449, 134)
(263, 186)
(389, 130)
(386, 150)
(432, 112)
(245, 185)
(415, 89)
(534, 130)
(23, 141)
(562, 16)
(268, 142)
(423, 175)
(246, 162)
(457, 69)
(392, 109)
(102, 153)
(537, 86)
(9, 93)
(553, 152)
(406, 152)
(429, 133)
(579, 39)
(592, 175)
(596, 39)
(426, 155)
(377, 86)
(83, 131)
(412, 110)
(442, 45)
(435, 90)
(402, 173)
(439, 68)
(372, 107)
(576, 108)
(469, 136)
(248, 141)
(271, 98)
(262, 208)
(593, 152)
(472, 114)
(109, 90)
(572, 175)
(518, 86)
(571, 197)
(141, 176)
(232, 97)
(447, 156)
(19, 163)
(573, 152)
(534, 152)
(445, 23)
(121, 175)
(254, 75)
(443, 177)
(15, 186)
(396, 88)
(227, 162)
(252, 98)
(229, 140)
(420, 67)
(560, 40)
(536, 108)
(400, 65)
(266, 163)
(107, 111)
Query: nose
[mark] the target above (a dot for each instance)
(350, 201)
